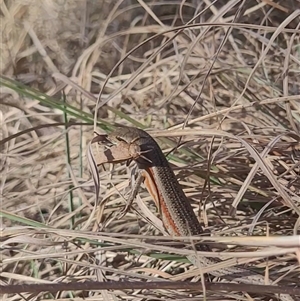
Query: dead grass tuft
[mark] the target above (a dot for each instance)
(223, 76)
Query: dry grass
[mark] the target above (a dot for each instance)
(223, 77)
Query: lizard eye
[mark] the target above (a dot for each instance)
(102, 139)
(121, 139)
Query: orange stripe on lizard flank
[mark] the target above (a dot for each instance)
(159, 202)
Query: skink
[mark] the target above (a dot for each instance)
(176, 211)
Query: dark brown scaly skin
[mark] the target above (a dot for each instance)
(176, 211)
